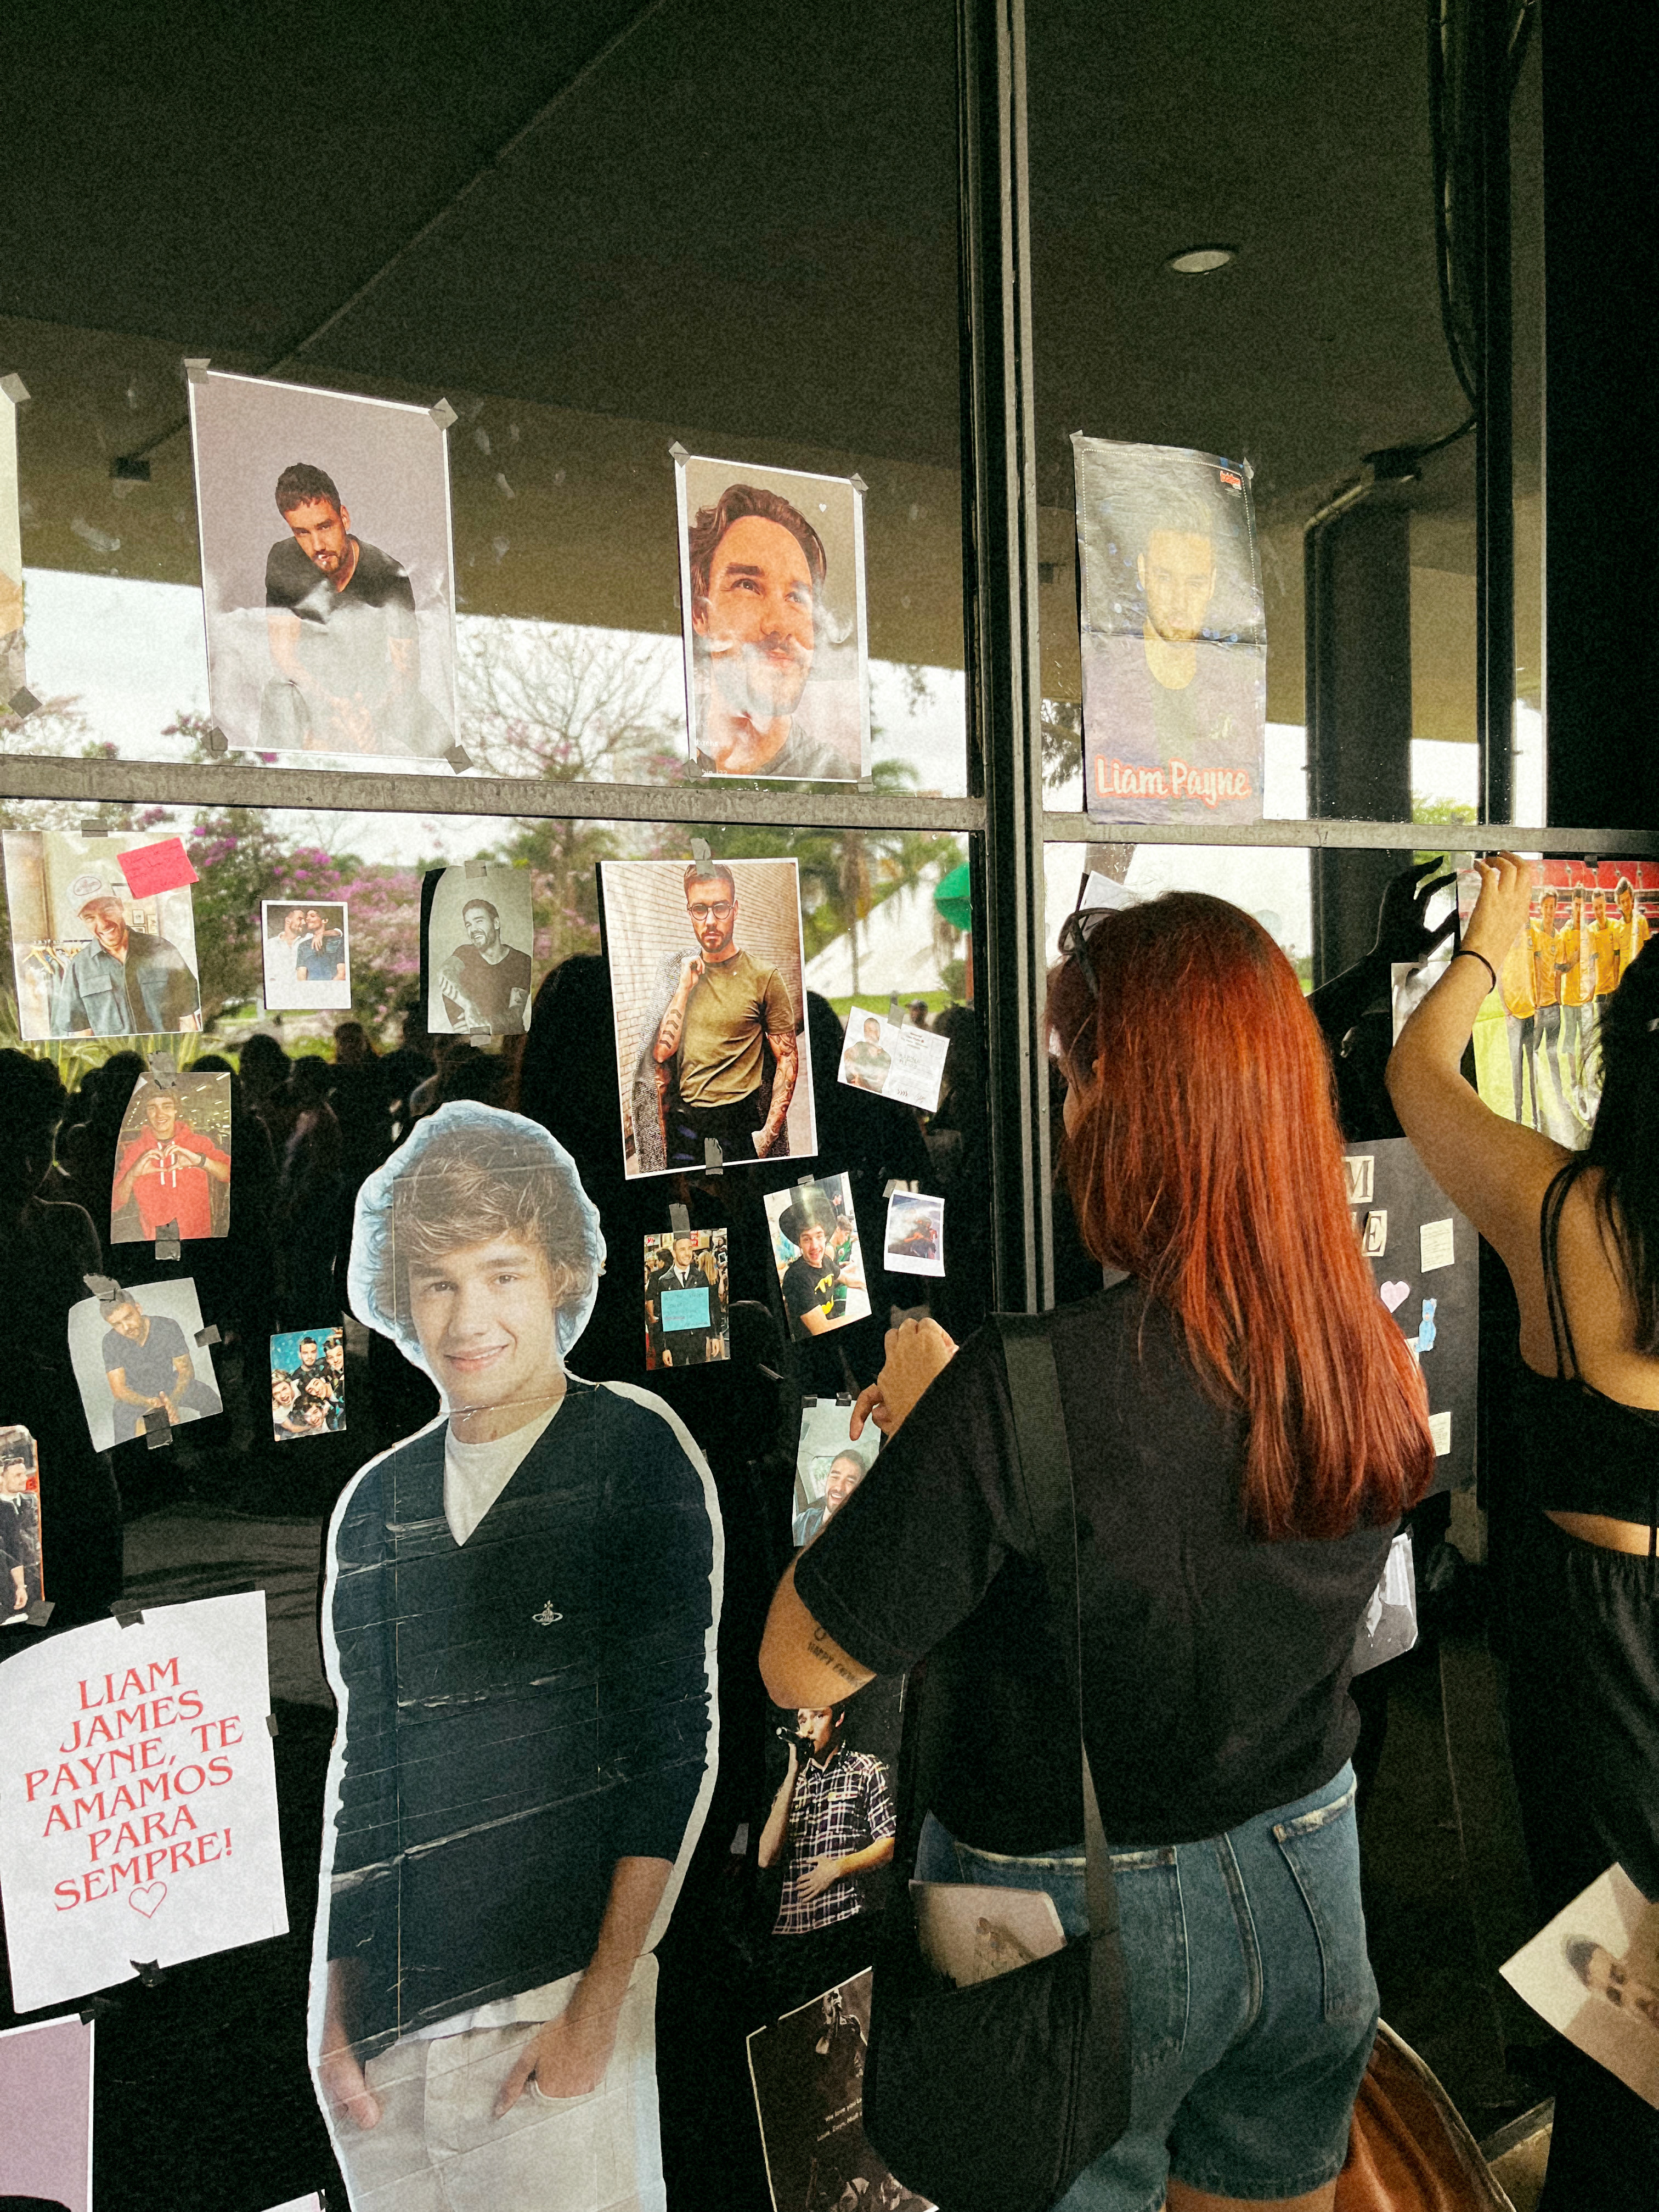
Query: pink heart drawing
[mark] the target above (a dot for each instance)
(1396, 1294)
(147, 1898)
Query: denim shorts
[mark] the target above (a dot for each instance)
(1253, 2004)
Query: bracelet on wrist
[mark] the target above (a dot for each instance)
(1469, 952)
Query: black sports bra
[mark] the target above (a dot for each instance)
(1590, 1453)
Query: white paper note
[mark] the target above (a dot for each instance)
(1435, 1239)
(1440, 1429)
(137, 1797)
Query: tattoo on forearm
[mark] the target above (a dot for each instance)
(787, 1053)
(668, 1030)
(819, 1648)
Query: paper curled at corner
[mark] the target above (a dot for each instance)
(163, 866)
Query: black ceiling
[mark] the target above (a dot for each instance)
(746, 224)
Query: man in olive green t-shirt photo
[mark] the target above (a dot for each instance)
(728, 1009)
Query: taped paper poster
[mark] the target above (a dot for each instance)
(45, 2115)
(327, 573)
(687, 1299)
(814, 1245)
(11, 549)
(899, 1060)
(1424, 1257)
(1537, 1038)
(477, 936)
(520, 1611)
(308, 1382)
(172, 1159)
(139, 1813)
(1593, 1973)
(1175, 646)
(137, 1360)
(808, 2073)
(829, 1465)
(22, 1570)
(90, 956)
(307, 956)
(914, 1242)
(772, 590)
(707, 980)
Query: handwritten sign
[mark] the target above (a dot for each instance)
(137, 1798)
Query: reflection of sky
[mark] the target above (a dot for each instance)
(132, 655)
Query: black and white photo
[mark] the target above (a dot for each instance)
(478, 933)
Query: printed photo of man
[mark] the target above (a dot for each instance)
(148, 1366)
(847, 1471)
(125, 982)
(344, 643)
(1174, 666)
(774, 630)
(823, 1286)
(19, 1524)
(519, 1615)
(866, 1064)
(830, 1824)
(167, 1172)
(484, 984)
(721, 1057)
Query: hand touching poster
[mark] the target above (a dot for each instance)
(137, 1797)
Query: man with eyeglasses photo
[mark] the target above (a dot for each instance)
(729, 1015)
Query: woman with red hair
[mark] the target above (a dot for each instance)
(1245, 1426)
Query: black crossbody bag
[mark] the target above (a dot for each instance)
(993, 2098)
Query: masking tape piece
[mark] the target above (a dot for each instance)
(40, 1613)
(679, 1221)
(104, 1288)
(271, 1724)
(128, 1613)
(700, 851)
(443, 414)
(713, 1159)
(149, 1972)
(23, 703)
(858, 483)
(209, 1334)
(678, 452)
(14, 388)
(459, 758)
(158, 1428)
(195, 368)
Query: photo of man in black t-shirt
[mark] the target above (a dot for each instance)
(340, 616)
(822, 1285)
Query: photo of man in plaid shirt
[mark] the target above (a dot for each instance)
(830, 1823)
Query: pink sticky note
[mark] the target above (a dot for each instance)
(163, 866)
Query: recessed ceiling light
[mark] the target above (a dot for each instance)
(1199, 260)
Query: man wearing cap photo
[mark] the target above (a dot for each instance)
(705, 1069)
(519, 1626)
(815, 1284)
(125, 982)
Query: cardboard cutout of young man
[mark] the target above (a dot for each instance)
(518, 1622)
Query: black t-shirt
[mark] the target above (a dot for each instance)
(148, 1367)
(295, 582)
(808, 1289)
(1215, 1667)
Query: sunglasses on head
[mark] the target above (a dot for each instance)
(1073, 942)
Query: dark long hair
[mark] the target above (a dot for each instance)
(1623, 1147)
(1207, 1163)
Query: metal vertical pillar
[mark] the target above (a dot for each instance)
(1494, 430)
(999, 492)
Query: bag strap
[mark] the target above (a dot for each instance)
(1050, 1503)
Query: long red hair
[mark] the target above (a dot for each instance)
(1207, 1161)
